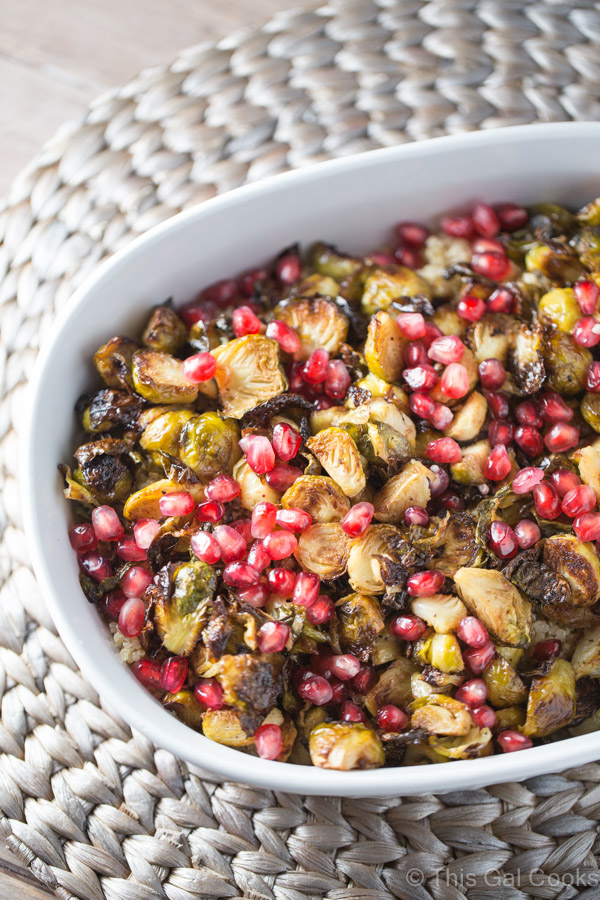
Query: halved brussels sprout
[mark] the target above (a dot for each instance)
(578, 564)
(377, 387)
(586, 656)
(323, 549)
(165, 331)
(344, 746)
(442, 611)
(319, 322)
(73, 490)
(113, 361)
(448, 320)
(441, 714)
(587, 246)
(250, 681)
(253, 489)
(364, 572)
(339, 456)
(386, 648)
(386, 412)
(456, 542)
(442, 651)
(186, 707)
(164, 431)
(158, 377)
(490, 337)
(588, 462)
(566, 363)
(182, 604)
(504, 687)
(494, 600)
(525, 361)
(208, 444)
(551, 701)
(329, 261)
(108, 409)
(316, 285)
(225, 727)
(410, 487)
(556, 262)
(560, 307)
(143, 504)
(383, 286)
(470, 468)
(393, 686)
(589, 214)
(102, 470)
(325, 418)
(248, 373)
(468, 418)
(431, 681)
(319, 496)
(467, 746)
(590, 410)
(360, 623)
(384, 347)
(511, 717)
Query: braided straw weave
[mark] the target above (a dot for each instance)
(95, 810)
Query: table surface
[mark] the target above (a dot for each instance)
(54, 59)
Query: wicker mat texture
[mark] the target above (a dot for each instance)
(94, 809)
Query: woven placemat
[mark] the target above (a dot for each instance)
(95, 810)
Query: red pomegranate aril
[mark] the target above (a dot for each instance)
(472, 632)
(272, 637)
(477, 659)
(295, 520)
(316, 367)
(263, 519)
(529, 440)
(444, 450)
(498, 464)
(286, 337)
(481, 244)
(454, 382)
(471, 308)
(268, 741)
(280, 544)
(199, 367)
(415, 354)
(500, 432)
(95, 565)
(179, 503)
(206, 547)
(258, 557)
(260, 454)
(198, 310)
(498, 404)
(286, 441)
(107, 524)
(409, 257)
(491, 265)
(425, 584)
(391, 719)
(288, 268)
(222, 488)
(351, 712)
(561, 437)
(321, 611)
(364, 680)
(131, 617)
(281, 582)
(511, 216)
(144, 532)
(458, 226)
(338, 380)
(485, 220)
(421, 405)
(439, 481)
(325, 403)
(421, 378)
(580, 499)
(432, 332)
(339, 691)
(441, 417)
(256, 596)
(492, 374)
(111, 604)
(416, 515)
(501, 301)
(473, 692)
(564, 480)
(316, 689)
(358, 518)
(412, 325)
(412, 233)
(231, 543)
(173, 673)
(306, 589)
(587, 294)
(547, 650)
(407, 627)
(128, 550)
(223, 293)
(502, 539)
(586, 332)
(345, 666)
(83, 538)
(147, 671)
(447, 349)
(280, 478)
(240, 575)
(513, 740)
(587, 526)
(452, 501)
(546, 500)
(210, 511)
(135, 581)
(592, 379)
(554, 409)
(250, 279)
(527, 533)
(527, 413)
(245, 321)
(242, 526)
(381, 258)
(484, 716)
(209, 694)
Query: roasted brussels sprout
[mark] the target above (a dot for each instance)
(113, 361)
(393, 686)
(384, 347)
(578, 564)
(158, 377)
(108, 409)
(442, 651)
(339, 456)
(327, 260)
(144, 504)
(470, 468)
(225, 727)
(182, 598)
(383, 286)
(411, 487)
(551, 701)
(442, 611)
(364, 573)
(588, 462)
(455, 542)
(318, 321)
(490, 337)
(360, 622)
(556, 262)
(345, 745)
(253, 488)
(250, 681)
(248, 373)
(586, 656)
(566, 363)
(165, 331)
(163, 433)
(504, 687)
(441, 714)
(587, 245)
(323, 549)
(319, 496)
(208, 444)
(525, 361)
(468, 418)
(494, 600)
(590, 410)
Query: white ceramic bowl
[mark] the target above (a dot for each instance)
(352, 202)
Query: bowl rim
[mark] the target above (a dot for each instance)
(217, 758)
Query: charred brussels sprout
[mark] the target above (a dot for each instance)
(108, 409)
(344, 746)
(144, 504)
(556, 262)
(248, 373)
(320, 324)
(470, 468)
(165, 331)
(587, 245)
(560, 308)
(442, 611)
(327, 260)
(158, 377)
(225, 727)
(113, 361)
(494, 600)
(182, 603)
(383, 286)
(588, 462)
(441, 714)
(578, 564)
(250, 681)
(551, 701)
(393, 686)
(253, 488)
(319, 496)
(504, 687)
(525, 361)
(468, 418)
(364, 571)
(208, 444)
(360, 623)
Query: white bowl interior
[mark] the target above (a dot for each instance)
(351, 202)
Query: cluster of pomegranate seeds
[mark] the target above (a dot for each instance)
(199, 367)
(510, 741)
(408, 627)
(391, 718)
(209, 693)
(473, 692)
(358, 518)
(425, 584)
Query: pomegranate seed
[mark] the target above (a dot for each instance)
(281, 582)
(492, 374)
(242, 526)
(107, 524)
(288, 268)
(498, 464)
(513, 740)
(210, 511)
(321, 611)
(587, 332)
(263, 519)
(500, 432)
(199, 367)
(472, 632)
(484, 716)
(473, 693)
(223, 293)
(240, 575)
(391, 719)
(357, 520)
(255, 596)
(135, 581)
(144, 532)
(485, 220)
(547, 650)
(511, 216)
(128, 550)
(249, 280)
(444, 450)
(285, 336)
(364, 680)
(527, 533)
(458, 226)
(491, 265)
(286, 441)
(316, 689)
(471, 307)
(587, 293)
(502, 539)
(554, 409)
(297, 383)
(258, 557)
(587, 526)
(408, 256)
(447, 349)
(477, 659)
(529, 440)
(198, 311)
(345, 666)
(320, 664)
(412, 325)
(421, 378)
(416, 515)
(481, 244)
(296, 520)
(339, 691)
(415, 354)
(231, 543)
(592, 379)
(408, 627)
(581, 499)
(222, 488)
(260, 454)
(179, 503)
(350, 712)
(324, 403)
(111, 604)
(454, 382)
(205, 546)
(425, 584)
(527, 414)
(272, 637)
(412, 233)
(452, 501)
(338, 380)
(306, 589)
(564, 480)
(280, 478)
(431, 333)
(245, 321)
(498, 404)
(268, 741)
(501, 301)
(147, 672)
(83, 537)
(316, 367)
(380, 258)
(173, 673)
(438, 481)
(209, 693)
(95, 565)
(561, 437)
(280, 544)
(547, 502)
(421, 405)
(131, 617)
